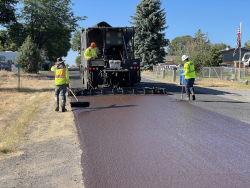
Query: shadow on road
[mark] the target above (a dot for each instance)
(101, 108)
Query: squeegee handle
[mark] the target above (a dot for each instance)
(73, 94)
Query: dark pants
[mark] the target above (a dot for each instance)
(62, 89)
(189, 83)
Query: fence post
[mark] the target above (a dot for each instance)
(158, 71)
(163, 74)
(221, 72)
(174, 75)
(239, 75)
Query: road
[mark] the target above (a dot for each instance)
(152, 141)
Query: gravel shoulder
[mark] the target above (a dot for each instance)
(49, 155)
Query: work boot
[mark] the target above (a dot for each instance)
(192, 92)
(63, 106)
(57, 104)
(188, 95)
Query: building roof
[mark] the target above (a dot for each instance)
(232, 49)
(169, 57)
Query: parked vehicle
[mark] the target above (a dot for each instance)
(246, 59)
(226, 65)
(7, 58)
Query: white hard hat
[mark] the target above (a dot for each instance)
(184, 57)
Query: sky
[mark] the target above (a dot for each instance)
(219, 18)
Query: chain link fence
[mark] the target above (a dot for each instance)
(226, 73)
(215, 73)
(171, 74)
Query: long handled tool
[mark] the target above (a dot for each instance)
(78, 104)
(179, 100)
(182, 88)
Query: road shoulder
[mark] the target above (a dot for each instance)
(49, 155)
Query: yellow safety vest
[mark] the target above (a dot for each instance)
(61, 75)
(189, 71)
(90, 52)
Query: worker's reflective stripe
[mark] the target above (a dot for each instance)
(90, 52)
(60, 76)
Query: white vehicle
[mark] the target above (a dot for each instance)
(246, 59)
(8, 57)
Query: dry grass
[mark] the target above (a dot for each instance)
(19, 108)
(205, 82)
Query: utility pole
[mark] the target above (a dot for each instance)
(240, 45)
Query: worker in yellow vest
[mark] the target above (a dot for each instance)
(189, 74)
(90, 52)
(61, 82)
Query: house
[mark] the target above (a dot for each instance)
(169, 59)
(227, 55)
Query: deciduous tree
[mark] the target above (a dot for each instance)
(7, 12)
(76, 40)
(78, 60)
(198, 50)
(177, 44)
(50, 23)
(247, 45)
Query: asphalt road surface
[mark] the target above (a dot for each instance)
(142, 141)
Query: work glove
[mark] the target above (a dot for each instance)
(67, 85)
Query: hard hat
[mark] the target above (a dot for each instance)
(93, 44)
(184, 57)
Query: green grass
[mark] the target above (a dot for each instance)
(245, 77)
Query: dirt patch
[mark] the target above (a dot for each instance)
(45, 151)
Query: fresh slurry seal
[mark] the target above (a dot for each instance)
(151, 141)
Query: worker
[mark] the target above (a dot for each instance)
(90, 52)
(189, 74)
(61, 82)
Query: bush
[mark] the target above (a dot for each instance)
(28, 56)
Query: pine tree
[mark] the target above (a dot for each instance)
(150, 20)
(28, 56)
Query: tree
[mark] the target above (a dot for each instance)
(221, 46)
(177, 44)
(7, 10)
(149, 44)
(50, 23)
(78, 60)
(198, 50)
(247, 45)
(13, 37)
(76, 40)
(216, 56)
(28, 56)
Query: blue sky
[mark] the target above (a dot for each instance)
(219, 18)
